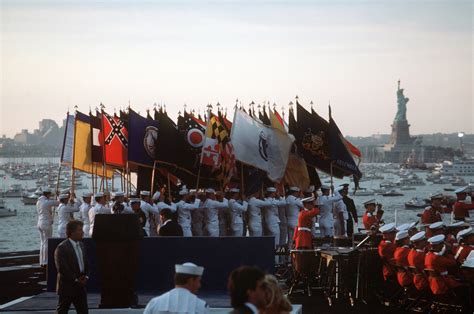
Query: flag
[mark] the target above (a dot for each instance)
(277, 121)
(261, 146)
(97, 141)
(115, 139)
(142, 137)
(253, 179)
(313, 177)
(296, 173)
(168, 141)
(68, 141)
(227, 150)
(82, 159)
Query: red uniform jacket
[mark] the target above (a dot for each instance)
(430, 215)
(462, 253)
(443, 282)
(303, 237)
(400, 257)
(416, 258)
(370, 219)
(461, 209)
(386, 249)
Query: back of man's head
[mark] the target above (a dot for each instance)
(166, 213)
(243, 281)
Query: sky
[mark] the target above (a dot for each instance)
(56, 55)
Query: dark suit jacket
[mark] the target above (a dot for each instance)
(68, 268)
(172, 228)
(242, 310)
(351, 208)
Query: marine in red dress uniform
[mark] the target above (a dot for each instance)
(433, 213)
(466, 239)
(461, 207)
(416, 258)
(386, 249)
(400, 257)
(371, 219)
(303, 237)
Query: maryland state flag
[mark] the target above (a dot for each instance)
(115, 137)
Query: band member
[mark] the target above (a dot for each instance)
(303, 237)
(416, 260)
(386, 249)
(433, 213)
(400, 257)
(371, 220)
(461, 207)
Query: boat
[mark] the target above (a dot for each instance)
(31, 198)
(392, 193)
(449, 189)
(5, 212)
(407, 188)
(460, 167)
(363, 192)
(15, 190)
(416, 203)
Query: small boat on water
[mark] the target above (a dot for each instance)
(31, 198)
(5, 212)
(15, 190)
(407, 188)
(416, 203)
(392, 193)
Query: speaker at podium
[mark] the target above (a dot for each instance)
(117, 240)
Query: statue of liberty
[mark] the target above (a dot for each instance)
(402, 105)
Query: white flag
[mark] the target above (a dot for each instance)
(260, 146)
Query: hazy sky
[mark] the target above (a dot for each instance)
(58, 54)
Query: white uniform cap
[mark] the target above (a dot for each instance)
(418, 236)
(234, 190)
(411, 225)
(294, 189)
(99, 194)
(464, 189)
(387, 228)
(463, 233)
(145, 193)
(210, 190)
(457, 224)
(156, 196)
(271, 189)
(436, 196)
(134, 200)
(310, 189)
(403, 227)
(308, 199)
(189, 269)
(436, 225)
(183, 192)
(437, 239)
(469, 263)
(64, 191)
(325, 187)
(86, 194)
(340, 188)
(192, 191)
(63, 196)
(372, 201)
(46, 190)
(401, 235)
(119, 193)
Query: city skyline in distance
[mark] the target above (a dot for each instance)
(57, 55)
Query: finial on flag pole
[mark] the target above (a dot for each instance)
(311, 103)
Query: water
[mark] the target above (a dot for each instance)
(20, 233)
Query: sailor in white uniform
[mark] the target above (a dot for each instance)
(99, 208)
(283, 221)
(325, 204)
(181, 299)
(184, 208)
(150, 212)
(255, 215)
(271, 215)
(211, 207)
(293, 206)
(340, 215)
(237, 209)
(84, 211)
(66, 210)
(197, 217)
(44, 207)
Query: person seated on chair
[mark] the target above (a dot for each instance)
(169, 227)
(181, 299)
(452, 231)
(466, 244)
(435, 228)
(416, 260)
(400, 257)
(275, 301)
(246, 289)
(386, 249)
(303, 236)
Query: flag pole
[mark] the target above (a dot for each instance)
(242, 177)
(153, 178)
(169, 187)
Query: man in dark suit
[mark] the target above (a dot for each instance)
(245, 286)
(351, 209)
(169, 227)
(72, 265)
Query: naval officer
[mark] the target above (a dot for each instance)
(44, 207)
(66, 209)
(84, 211)
(237, 210)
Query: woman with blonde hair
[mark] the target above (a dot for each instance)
(275, 301)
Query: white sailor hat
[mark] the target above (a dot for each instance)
(271, 189)
(390, 227)
(98, 194)
(325, 187)
(118, 194)
(308, 199)
(189, 269)
(46, 190)
(403, 227)
(457, 224)
(145, 193)
(64, 191)
(192, 191)
(436, 225)
(437, 239)
(294, 189)
(468, 263)
(156, 196)
(183, 192)
(340, 188)
(234, 190)
(372, 201)
(86, 194)
(63, 196)
(134, 200)
(310, 189)
(401, 235)
(436, 196)
(464, 189)
(464, 233)
(418, 236)
(210, 190)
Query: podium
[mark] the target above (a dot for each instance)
(117, 240)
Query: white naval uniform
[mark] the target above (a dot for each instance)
(283, 221)
(177, 300)
(197, 222)
(271, 217)
(97, 209)
(45, 225)
(211, 217)
(184, 215)
(340, 207)
(84, 211)
(237, 210)
(149, 211)
(293, 205)
(255, 215)
(326, 220)
(224, 221)
(126, 210)
(65, 212)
